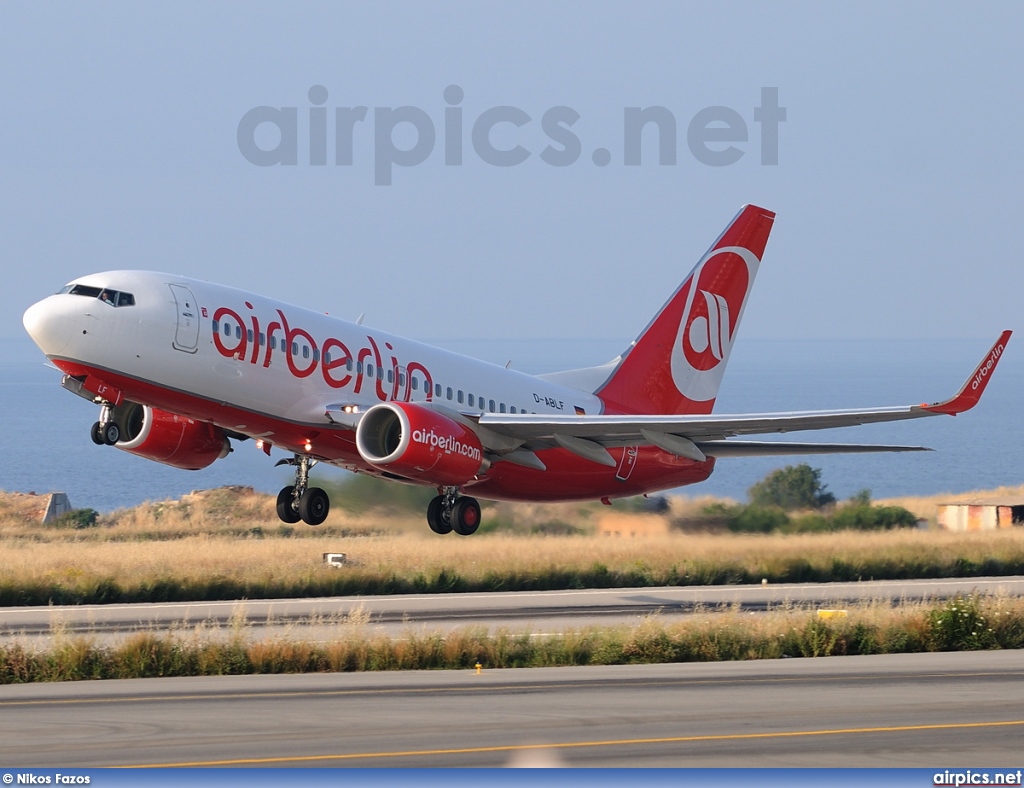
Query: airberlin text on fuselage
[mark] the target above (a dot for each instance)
(985, 368)
(339, 366)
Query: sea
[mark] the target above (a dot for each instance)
(47, 446)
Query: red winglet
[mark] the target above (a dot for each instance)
(969, 394)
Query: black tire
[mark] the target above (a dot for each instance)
(465, 516)
(111, 433)
(285, 510)
(314, 506)
(436, 519)
(96, 433)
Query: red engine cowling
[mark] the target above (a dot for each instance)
(169, 438)
(418, 443)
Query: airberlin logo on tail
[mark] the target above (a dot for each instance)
(446, 443)
(714, 302)
(711, 333)
(985, 368)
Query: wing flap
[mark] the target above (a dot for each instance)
(783, 448)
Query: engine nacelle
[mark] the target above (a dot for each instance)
(169, 438)
(418, 443)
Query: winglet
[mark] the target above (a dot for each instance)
(969, 394)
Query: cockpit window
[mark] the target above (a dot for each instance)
(104, 294)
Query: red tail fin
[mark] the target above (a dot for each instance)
(675, 366)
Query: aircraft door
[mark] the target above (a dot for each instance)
(186, 336)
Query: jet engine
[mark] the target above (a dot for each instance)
(169, 438)
(418, 443)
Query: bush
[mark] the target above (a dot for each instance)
(960, 625)
(792, 487)
(757, 520)
(77, 518)
(873, 518)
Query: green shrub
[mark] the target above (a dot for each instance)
(76, 518)
(792, 487)
(872, 518)
(960, 625)
(755, 519)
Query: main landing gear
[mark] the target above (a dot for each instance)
(451, 512)
(105, 431)
(300, 501)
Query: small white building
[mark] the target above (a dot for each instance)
(981, 515)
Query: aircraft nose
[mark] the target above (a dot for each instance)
(48, 328)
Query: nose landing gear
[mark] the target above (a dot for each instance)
(451, 512)
(300, 501)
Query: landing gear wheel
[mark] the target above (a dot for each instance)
(436, 519)
(96, 433)
(314, 506)
(465, 516)
(111, 433)
(285, 509)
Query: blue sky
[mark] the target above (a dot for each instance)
(897, 185)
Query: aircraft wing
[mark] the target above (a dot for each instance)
(698, 436)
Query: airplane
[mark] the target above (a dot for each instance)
(181, 367)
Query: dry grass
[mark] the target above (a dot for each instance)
(926, 507)
(219, 567)
(963, 623)
(228, 543)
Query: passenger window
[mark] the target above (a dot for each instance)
(491, 406)
(248, 334)
(216, 327)
(471, 400)
(273, 342)
(369, 370)
(359, 368)
(227, 330)
(501, 407)
(460, 397)
(401, 379)
(449, 392)
(437, 389)
(348, 365)
(327, 357)
(512, 409)
(415, 383)
(391, 376)
(295, 348)
(263, 338)
(305, 351)
(238, 332)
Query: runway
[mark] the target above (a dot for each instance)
(927, 710)
(540, 612)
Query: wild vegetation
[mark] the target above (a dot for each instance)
(963, 623)
(228, 567)
(228, 544)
